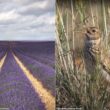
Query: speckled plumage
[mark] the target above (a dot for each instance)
(92, 51)
(95, 56)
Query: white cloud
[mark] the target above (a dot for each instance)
(11, 15)
(27, 20)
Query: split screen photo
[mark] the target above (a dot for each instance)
(55, 55)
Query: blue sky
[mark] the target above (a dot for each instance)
(27, 20)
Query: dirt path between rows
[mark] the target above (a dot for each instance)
(43, 93)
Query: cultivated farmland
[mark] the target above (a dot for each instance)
(27, 76)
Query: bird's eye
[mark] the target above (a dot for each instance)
(93, 30)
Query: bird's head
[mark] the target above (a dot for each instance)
(92, 37)
(92, 33)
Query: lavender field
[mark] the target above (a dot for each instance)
(27, 76)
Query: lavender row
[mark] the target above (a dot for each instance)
(2, 54)
(47, 59)
(16, 92)
(49, 56)
(45, 74)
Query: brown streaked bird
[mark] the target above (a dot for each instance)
(95, 56)
(92, 50)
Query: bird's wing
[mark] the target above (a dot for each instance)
(105, 63)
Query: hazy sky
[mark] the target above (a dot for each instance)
(27, 19)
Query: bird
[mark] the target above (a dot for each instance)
(92, 51)
(96, 59)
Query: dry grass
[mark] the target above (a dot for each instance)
(74, 87)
